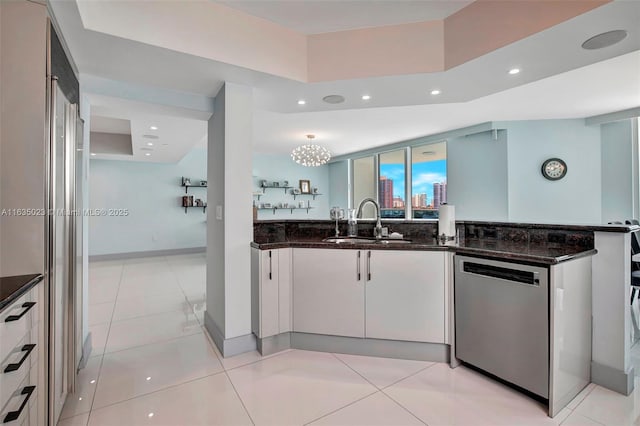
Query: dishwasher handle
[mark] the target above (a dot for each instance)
(507, 274)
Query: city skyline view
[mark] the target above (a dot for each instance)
(425, 175)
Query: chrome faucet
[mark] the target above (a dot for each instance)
(377, 232)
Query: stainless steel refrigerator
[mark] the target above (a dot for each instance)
(63, 236)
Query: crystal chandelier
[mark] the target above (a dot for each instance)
(311, 155)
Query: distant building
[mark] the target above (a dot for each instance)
(419, 200)
(439, 194)
(398, 203)
(385, 192)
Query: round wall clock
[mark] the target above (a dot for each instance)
(554, 169)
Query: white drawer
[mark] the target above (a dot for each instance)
(17, 400)
(16, 321)
(17, 365)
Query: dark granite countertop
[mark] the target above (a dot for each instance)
(564, 227)
(561, 227)
(546, 254)
(11, 288)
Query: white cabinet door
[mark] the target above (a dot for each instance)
(285, 311)
(328, 294)
(264, 292)
(405, 295)
(271, 292)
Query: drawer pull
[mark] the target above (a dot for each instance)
(26, 306)
(14, 415)
(27, 350)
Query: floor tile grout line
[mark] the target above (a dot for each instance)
(151, 314)
(226, 373)
(268, 357)
(403, 407)
(585, 397)
(105, 346)
(586, 417)
(410, 375)
(175, 385)
(343, 407)
(382, 389)
(154, 342)
(354, 370)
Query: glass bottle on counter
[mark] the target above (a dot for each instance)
(352, 223)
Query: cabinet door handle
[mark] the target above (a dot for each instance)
(369, 265)
(26, 306)
(27, 350)
(270, 269)
(14, 415)
(358, 266)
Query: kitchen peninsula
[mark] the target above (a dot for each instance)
(394, 299)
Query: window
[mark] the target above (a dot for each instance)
(391, 184)
(422, 194)
(428, 179)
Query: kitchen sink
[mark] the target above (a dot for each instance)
(364, 240)
(393, 241)
(349, 240)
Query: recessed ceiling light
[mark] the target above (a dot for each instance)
(148, 378)
(92, 382)
(149, 143)
(514, 71)
(93, 154)
(148, 154)
(333, 99)
(435, 92)
(366, 97)
(150, 415)
(302, 102)
(154, 127)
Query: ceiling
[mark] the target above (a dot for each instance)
(174, 137)
(322, 16)
(558, 78)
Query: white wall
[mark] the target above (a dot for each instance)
(574, 199)
(272, 167)
(617, 171)
(339, 191)
(153, 195)
(477, 176)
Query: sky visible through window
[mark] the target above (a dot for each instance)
(424, 175)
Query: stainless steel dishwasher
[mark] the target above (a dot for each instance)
(502, 320)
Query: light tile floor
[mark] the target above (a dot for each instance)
(153, 364)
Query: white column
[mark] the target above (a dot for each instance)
(230, 220)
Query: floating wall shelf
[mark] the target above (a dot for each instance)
(285, 208)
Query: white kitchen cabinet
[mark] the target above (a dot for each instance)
(328, 292)
(21, 368)
(378, 294)
(271, 291)
(405, 295)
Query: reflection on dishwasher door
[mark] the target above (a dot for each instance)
(502, 320)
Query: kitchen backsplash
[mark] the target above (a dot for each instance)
(271, 231)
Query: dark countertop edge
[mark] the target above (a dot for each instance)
(502, 255)
(347, 246)
(595, 227)
(555, 226)
(28, 285)
(522, 257)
